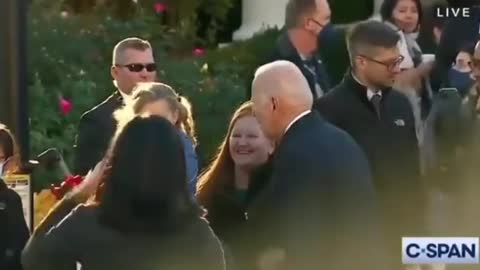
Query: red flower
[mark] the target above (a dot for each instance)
(160, 7)
(68, 184)
(73, 180)
(65, 105)
(56, 192)
(198, 51)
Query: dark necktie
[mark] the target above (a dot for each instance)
(312, 65)
(376, 99)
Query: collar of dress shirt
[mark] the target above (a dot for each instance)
(126, 98)
(296, 119)
(370, 92)
(308, 59)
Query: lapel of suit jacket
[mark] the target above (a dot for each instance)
(289, 52)
(117, 99)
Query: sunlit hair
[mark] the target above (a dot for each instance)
(220, 174)
(146, 93)
(10, 148)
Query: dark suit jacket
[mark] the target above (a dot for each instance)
(390, 143)
(96, 129)
(226, 214)
(319, 204)
(13, 228)
(284, 50)
(391, 146)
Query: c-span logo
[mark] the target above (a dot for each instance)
(443, 250)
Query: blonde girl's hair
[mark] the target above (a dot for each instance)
(145, 93)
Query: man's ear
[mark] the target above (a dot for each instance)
(113, 72)
(274, 103)
(175, 116)
(307, 23)
(271, 147)
(359, 62)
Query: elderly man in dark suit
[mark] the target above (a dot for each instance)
(133, 62)
(381, 121)
(318, 208)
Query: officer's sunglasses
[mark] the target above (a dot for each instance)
(139, 67)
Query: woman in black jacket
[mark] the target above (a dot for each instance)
(144, 217)
(227, 187)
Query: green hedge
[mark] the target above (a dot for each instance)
(70, 58)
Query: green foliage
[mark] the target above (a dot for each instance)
(70, 47)
(70, 58)
(180, 14)
(247, 54)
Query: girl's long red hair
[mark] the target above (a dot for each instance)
(220, 173)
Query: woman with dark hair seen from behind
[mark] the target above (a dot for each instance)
(233, 179)
(144, 218)
(13, 227)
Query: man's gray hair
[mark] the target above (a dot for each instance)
(283, 78)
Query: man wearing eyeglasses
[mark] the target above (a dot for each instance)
(381, 121)
(133, 62)
(305, 20)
